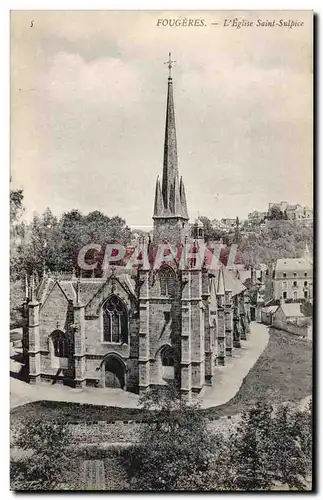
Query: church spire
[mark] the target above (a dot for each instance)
(170, 209)
(170, 169)
(172, 189)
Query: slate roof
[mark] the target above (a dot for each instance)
(270, 309)
(88, 287)
(293, 265)
(232, 282)
(292, 310)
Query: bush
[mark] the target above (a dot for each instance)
(47, 460)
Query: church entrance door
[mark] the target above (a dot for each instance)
(114, 373)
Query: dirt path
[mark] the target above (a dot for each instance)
(228, 379)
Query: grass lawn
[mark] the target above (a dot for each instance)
(282, 373)
(74, 412)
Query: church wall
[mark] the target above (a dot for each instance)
(53, 314)
(92, 370)
(208, 345)
(56, 313)
(164, 328)
(194, 349)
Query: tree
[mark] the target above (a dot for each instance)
(278, 239)
(17, 229)
(54, 243)
(291, 446)
(272, 447)
(210, 233)
(237, 235)
(16, 205)
(46, 444)
(43, 246)
(176, 451)
(275, 213)
(250, 450)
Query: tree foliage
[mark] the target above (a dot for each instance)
(175, 450)
(210, 233)
(16, 204)
(268, 448)
(53, 243)
(43, 468)
(277, 240)
(272, 447)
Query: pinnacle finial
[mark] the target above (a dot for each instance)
(170, 64)
(78, 284)
(32, 287)
(26, 288)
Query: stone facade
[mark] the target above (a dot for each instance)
(293, 278)
(143, 327)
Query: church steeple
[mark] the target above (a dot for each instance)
(172, 190)
(170, 169)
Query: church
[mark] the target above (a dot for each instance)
(141, 327)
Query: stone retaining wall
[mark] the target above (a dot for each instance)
(129, 431)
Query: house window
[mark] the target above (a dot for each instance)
(305, 295)
(305, 283)
(284, 285)
(167, 281)
(284, 274)
(284, 295)
(295, 295)
(115, 321)
(305, 274)
(295, 274)
(295, 283)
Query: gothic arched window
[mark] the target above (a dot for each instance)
(61, 344)
(115, 321)
(167, 356)
(167, 281)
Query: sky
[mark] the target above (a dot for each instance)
(88, 99)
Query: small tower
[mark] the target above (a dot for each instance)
(198, 230)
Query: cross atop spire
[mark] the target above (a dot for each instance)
(170, 64)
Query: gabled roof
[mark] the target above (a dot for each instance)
(292, 310)
(88, 287)
(232, 282)
(270, 309)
